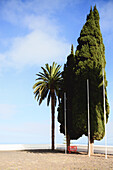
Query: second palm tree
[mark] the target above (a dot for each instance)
(48, 85)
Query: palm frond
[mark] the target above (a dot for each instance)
(38, 97)
(50, 78)
(45, 72)
(37, 84)
(40, 101)
(40, 87)
(37, 94)
(58, 75)
(41, 76)
(41, 90)
(43, 95)
(48, 68)
(57, 69)
(53, 68)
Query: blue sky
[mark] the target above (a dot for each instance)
(33, 33)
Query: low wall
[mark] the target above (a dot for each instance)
(12, 147)
(84, 148)
(80, 148)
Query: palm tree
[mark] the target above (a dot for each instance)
(48, 85)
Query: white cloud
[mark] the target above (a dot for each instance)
(43, 23)
(13, 10)
(106, 11)
(36, 48)
(43, 43)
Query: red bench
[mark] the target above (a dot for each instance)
(72, 148)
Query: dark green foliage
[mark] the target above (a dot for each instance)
(48, 81)
(68, 86)
(87, 63)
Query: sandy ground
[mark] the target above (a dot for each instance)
(48, 160)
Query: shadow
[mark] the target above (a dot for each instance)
(43, 151)
(54, 152)
(78, 153)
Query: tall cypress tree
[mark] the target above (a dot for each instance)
(88, 63)
(68, 76)
(90, 54)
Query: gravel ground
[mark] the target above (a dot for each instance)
(48, 160)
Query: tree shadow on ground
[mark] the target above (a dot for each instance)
(44, 151)
(51, 151)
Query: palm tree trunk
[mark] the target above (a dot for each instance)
(53, 117)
